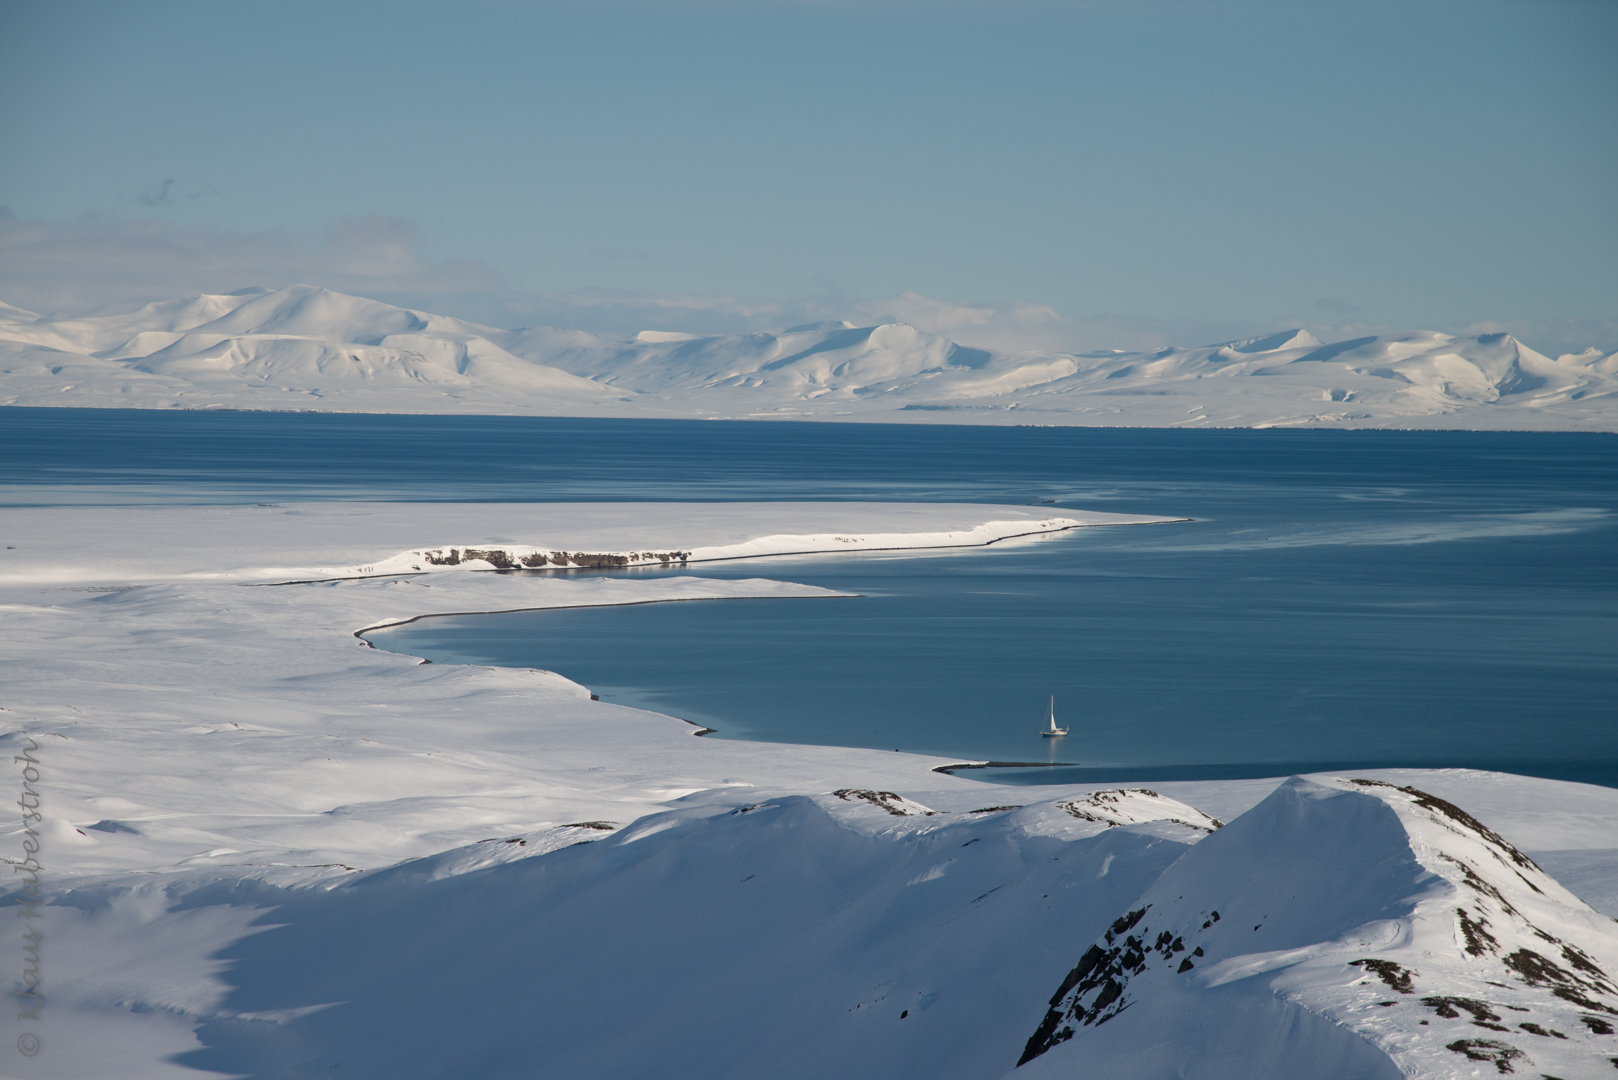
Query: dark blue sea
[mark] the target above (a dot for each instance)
(1340, 600)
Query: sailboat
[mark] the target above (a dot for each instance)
(1053, 732)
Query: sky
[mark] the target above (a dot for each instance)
(1042, 173)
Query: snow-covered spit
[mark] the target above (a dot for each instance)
(304, 348)
(271, 850)
(272, 543)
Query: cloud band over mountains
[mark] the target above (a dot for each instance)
(98, 260)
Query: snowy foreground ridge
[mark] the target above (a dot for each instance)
(303, 348)
(270, 850)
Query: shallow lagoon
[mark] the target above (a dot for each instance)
(1343, 598)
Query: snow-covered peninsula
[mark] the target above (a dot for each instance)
(304, 348)
(270, 849)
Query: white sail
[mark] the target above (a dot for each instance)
(1052, 729)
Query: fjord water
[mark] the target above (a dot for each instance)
(1342, 599)
(1220, 648)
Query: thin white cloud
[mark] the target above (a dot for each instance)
(98, 260)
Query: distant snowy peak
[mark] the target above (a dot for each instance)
(1385, 914)
(835, 359)
(1285, 339)
(303, 347)
(291, 348)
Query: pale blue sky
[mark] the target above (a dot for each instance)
(1417, 163)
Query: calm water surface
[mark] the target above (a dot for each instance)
(1342, 598)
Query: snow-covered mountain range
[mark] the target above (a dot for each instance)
(305, 348)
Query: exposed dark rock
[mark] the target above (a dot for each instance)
(1123, 923)
(582, 559)
(1477, 884)
(1579, 959)
(1086, 964)
(1583, 1001)
(494, 557)
(1491, 1050)
(1111, 992)
(1046, 1036)
(1397, 977)
(1103, 971)
(1478, 938)
(1447, 1006)
(884, 800)
(1536, 970)
(1086, 809)
(501, 559)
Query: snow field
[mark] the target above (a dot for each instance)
(273, 850)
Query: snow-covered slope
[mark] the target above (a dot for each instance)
(295, 348)
(1350, 928)
(306, 348)
(1343, 928)
(1339, 929)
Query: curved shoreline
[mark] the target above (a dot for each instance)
(950, 770)
(701, 729)
(362, 631)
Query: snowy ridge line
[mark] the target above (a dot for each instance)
(301, 349)
(825, 595)
(1135, 806)
(508, 557)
